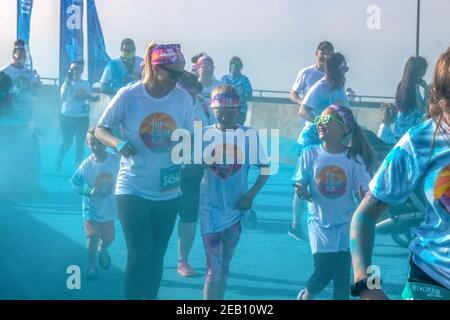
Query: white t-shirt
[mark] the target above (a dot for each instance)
(332, 180)
(102, 175)
(23, 80)
(206, 93)
(306, 78)
(71, 106)
(413, 164)
(223, 185)
(318, 98)
(147, 124)
(203, 112)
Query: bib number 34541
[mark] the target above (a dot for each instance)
(170, 178)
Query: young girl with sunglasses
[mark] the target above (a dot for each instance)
(328, 90)
(330, 176)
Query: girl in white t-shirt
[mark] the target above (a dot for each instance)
(224, 193)
(332, 176)
(327, 91)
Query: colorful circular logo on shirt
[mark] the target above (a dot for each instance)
(156, 130)
(331, 182)
(442, 188)
(105, 183)
(231, 160)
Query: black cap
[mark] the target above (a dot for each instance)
(325, 44)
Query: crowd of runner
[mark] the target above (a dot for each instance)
(131, 173)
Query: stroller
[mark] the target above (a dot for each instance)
(400, 220)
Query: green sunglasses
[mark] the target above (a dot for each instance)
(324, 119)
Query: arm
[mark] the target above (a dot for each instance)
(245, 203)
(122, 147)
(295, 98)
(66, 89)
(362, 234)
(305, 113)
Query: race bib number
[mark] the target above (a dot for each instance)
(170, 178)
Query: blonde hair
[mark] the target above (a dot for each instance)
(148, 71)
(225, 89)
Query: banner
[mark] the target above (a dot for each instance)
(71, 35)
(97, 56)
(24, 8)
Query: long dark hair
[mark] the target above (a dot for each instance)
(405, 98)
(334, 72)
(358, 145)
(439, 103)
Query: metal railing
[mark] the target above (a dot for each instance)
(270, 96)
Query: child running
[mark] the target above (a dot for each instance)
(224, 193)
(330, 176)
(95, 179)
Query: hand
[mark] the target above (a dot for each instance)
(388, 113)
(423, 84)
(302, 192)
(245, 203)
(374, 294)
(95, 192)
(126, 149)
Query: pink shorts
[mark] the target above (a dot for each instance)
(102, 230)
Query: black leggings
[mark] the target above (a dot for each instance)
(73, 127)
(189, 201)
(331, 266)
(147, 226)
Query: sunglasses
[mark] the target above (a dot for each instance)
(173, 75)
(324, 119)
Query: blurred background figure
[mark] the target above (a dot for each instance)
(76, 95)
(19, 43)
(204, 68)
(123, 70)
(6, 99)
(412, 96)
(26, 85)
(242, 85)
(388, 117)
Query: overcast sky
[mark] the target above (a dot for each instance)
(274, 38)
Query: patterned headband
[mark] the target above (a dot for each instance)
(345, 114)
(167, 54)
(225, 100)
(202, 61)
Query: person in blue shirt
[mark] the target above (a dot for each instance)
(242, 85)
(123, 70)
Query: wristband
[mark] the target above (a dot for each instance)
(86, 191)
(121, 145)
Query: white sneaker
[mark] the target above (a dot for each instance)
(300, 294)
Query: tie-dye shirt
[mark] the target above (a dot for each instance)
(416, 163)
(242, 85)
